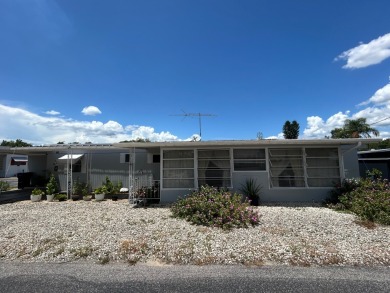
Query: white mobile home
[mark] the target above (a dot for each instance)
(287, 170)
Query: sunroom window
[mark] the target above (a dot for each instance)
(214, 168)
(322, 165)
(286, 167)
(249, 159)
(178, 169)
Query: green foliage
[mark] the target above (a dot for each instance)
(16, 143)
(108, 187)
(80, 188)
(251, 190)
(210, 207)
(37, 191)
(52, 186)
(354, 129)
(368, 198)
(60, 197)
(291, 130)
(384, 144)
(4, 186)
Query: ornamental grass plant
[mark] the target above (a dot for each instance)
(215, 208)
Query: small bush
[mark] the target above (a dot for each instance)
(210, 207)
(368, 198)
(4, 186)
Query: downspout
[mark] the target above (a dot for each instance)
(342, 157)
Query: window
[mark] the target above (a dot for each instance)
(322, 165)
(286, 167)
(178, 169)
(214, 168)
(19, 161)
(249, 159)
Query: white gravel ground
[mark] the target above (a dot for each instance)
(111, 231)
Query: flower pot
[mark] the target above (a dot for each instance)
(87, 198)
(36, 198)
(50, 197)
(99, 196)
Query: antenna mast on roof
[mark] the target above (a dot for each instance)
(199, 115)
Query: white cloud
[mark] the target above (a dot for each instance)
(318, 128)
(377, 115)
(52, 112)
(381, 96)
(17, 123)
(367, 54)
(91, 111)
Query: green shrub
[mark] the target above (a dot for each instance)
(4, 186)
(210, 207)
(368, 198)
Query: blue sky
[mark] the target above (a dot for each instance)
(106, 71)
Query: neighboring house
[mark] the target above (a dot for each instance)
(288, 170)
(12, 164)
(375, 159)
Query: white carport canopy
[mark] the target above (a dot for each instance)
(20, 159)
(71, 157)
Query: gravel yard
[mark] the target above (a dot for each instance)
(114, 231)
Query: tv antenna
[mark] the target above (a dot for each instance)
(199, 115)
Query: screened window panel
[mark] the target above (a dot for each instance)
(297, 152)
(322, 162)
(214, 168)
(178, 154)
(178, 164)
(183, 173)
(323, 172)
(178, 169)
(178, 183)
(214, 154)
(248, 165)
(286, 167)
(322, 152)
(249, 154)
(287, 172)
(322, 167)
(214, 164)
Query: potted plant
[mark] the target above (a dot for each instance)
(36, 194)
(79, 190)
(51, 188)
(100, 192)
(252, 191)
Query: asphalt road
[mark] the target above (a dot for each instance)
(86, 277)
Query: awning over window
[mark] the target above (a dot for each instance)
(20, 159)
(71, 157)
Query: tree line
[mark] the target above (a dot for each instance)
(352, 128)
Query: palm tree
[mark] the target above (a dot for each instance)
(355, 129)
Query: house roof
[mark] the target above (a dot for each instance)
(248, 143)
(44, 149)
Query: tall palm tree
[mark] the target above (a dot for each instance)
(359, 128)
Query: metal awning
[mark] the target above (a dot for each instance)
(20, 159)
(71, 157)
